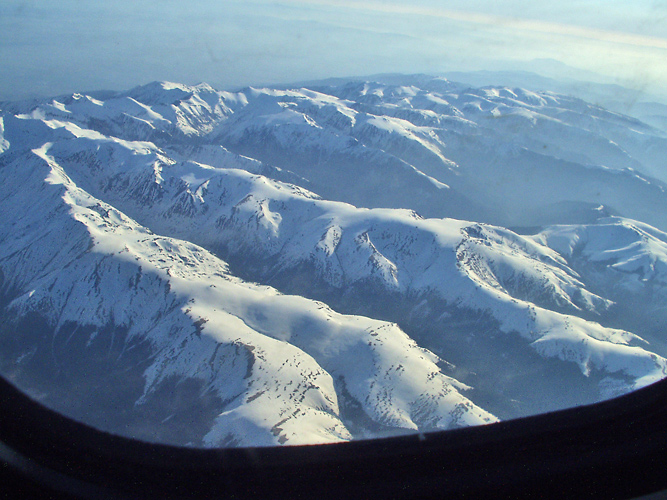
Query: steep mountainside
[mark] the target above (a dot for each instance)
(339, 311)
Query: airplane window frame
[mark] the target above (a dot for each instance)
(611, 449)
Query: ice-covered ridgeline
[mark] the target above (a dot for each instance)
(566, 127)
(434, 146)
(279, 364)
(524, 285)
(511, 154)
(628, 259)
(159, 110)
(501, 155)
(630, 248)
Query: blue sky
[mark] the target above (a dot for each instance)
(49, 48)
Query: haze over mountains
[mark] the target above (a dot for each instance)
(349, 260)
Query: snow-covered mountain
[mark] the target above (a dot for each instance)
(254, 268)
(625, 258)
(277, 363)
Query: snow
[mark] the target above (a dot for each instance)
(113, 209)
(621, 244)
(360, 244)
(4, 144)
(294, 342)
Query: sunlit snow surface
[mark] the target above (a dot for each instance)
(117, 211)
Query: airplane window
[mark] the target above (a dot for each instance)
(374, 219)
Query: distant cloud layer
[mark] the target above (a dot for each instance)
(510, 22)
(73, 45)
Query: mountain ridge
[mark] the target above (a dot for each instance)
(125, 181)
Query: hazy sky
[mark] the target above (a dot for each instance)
(48, 48)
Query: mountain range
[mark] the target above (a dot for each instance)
(355, 259)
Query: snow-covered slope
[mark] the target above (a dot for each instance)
(498, 155)
(278, 227)
(159, 110)
(520, 151)
(117, 209)
(277, 362)
(631, 248)
(625, 258)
